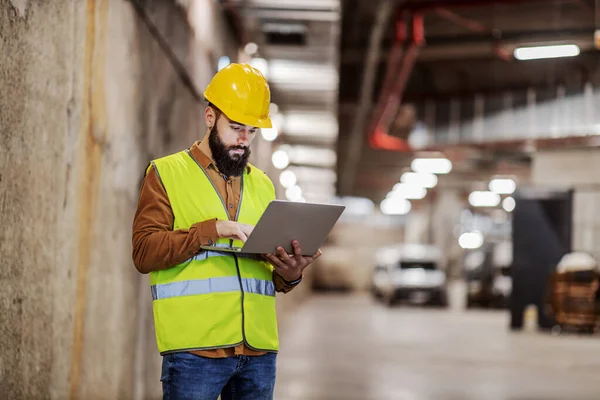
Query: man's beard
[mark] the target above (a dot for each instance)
(228, 164)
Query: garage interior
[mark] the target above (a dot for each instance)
(462, 136)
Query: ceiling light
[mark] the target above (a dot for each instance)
(223, 62)
(280, 159)
(502, 185)
(356, 206)
(269, 134)
(395, 206)
(251, 48)
(423, 179)
(431, 165)
(314, 174)
(262, 65)
(277, 119)
(471, 240)
(287, 179)
(321, 125)
(294, 193)
(484, 199)
(406, 191)
(539, 52)
(509, 204)
(312, 155)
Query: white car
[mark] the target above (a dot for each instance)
(413, 272)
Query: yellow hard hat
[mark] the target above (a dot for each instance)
(242, 93)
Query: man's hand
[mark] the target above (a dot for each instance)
(234, 230)
(291, 267)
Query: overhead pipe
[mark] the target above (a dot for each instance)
(467, 23)
(475, 26)
(394, 60)
(378, 136)
(388, 106)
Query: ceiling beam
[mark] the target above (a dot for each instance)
(480, 46)
(356, 141)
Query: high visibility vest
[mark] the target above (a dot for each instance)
(214, 299)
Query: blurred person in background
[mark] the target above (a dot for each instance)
(214, 312)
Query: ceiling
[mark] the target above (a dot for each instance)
(299, 39)
(319, 55)
(467, 52)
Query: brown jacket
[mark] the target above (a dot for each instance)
(157, 246)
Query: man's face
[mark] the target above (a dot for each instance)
(229, 143)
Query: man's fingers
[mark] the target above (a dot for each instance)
(297, 251)
(247, 229)
(241, 235)
(283, 254)
(277, 263)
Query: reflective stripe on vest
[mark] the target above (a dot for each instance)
(212, 285)
(203, 255)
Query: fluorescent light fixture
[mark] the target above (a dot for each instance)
(294, 193)
(395, 206)
(262, 65)
(539, 52)
(484, 199)
(285, 28)
(508, 204)
(251, 48)
(502, 186)
(278, 119)
(471, 240)
(423, 179)
(431, 165)
(269, 134)
(223, 62)
(304, 75)
(356, 206)
(318, 124)
(406, 191)
(287, 179)
(314, 174)
(312, 155)
(280, 159)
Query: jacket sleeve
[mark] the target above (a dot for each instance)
(156, 245)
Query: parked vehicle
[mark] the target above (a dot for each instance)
(412, 272)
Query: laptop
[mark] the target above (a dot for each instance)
(285, 221)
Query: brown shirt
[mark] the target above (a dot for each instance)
(157, 246)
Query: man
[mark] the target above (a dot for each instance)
(214, 312)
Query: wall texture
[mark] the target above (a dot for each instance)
(88, 98)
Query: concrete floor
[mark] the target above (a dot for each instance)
(351, 347)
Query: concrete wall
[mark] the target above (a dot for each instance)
(88, 98)
(578, 169)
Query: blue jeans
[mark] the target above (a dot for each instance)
(188, 376)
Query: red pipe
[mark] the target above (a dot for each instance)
(459, 20)
(474, 26)
(387, 108)
(392, 66)
(390, 100)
